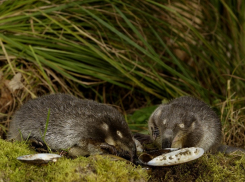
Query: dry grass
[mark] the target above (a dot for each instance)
(24, 80)
(21, 80)
(233, 119)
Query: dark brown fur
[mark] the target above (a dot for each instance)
(185, 122)
(73, 124)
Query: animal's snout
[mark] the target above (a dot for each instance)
(167, 138)
(166, 143)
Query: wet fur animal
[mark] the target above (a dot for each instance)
(185, 122)
(85, 127)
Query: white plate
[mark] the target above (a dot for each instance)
(177, 157)
(39, 158)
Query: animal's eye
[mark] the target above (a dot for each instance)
(155, 132)
(119, 134)
(104, 126)
(182, 125)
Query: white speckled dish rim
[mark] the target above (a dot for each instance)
(38, 158)
(173, 158)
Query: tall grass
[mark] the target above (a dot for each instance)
(130, 44)
(150, 49)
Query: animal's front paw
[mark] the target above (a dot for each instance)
(110, 148)
(142, 138)
(38, 145)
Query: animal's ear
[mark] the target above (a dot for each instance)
(158, 111)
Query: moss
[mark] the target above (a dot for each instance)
(217, 167)
(95, 168)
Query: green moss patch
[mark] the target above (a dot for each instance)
(95, 168)
(209, 167)
(218, 167)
